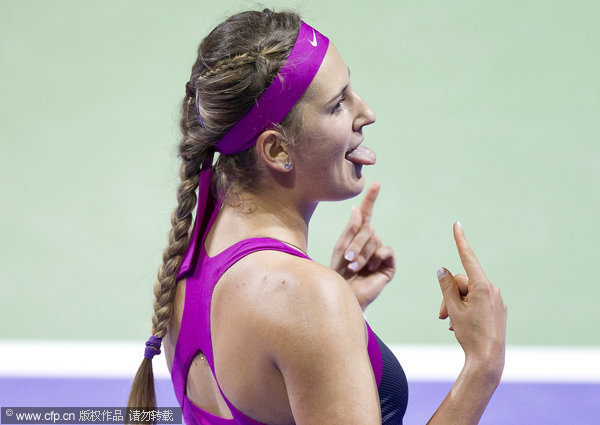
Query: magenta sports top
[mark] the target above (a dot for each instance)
(202, 275)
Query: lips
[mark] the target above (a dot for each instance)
(361, 155)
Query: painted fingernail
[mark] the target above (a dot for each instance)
(349, 256)
(371, 267)
(353, 266)
(441, 273)
(459, 225)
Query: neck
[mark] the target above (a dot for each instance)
(262, 216)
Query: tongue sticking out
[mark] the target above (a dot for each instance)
(361, 155)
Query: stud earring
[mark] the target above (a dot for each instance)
(288, 166)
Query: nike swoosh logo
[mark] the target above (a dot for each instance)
(314, 40)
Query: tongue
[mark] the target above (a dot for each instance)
(361, 155)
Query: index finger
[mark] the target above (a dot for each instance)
(366, 206)
(467, 256)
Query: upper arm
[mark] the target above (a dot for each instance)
(320, 348)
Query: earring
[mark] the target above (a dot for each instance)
(288, 166)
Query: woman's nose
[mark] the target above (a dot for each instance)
(365, 115)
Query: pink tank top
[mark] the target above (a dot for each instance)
(202, 274)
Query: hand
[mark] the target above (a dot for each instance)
(475, 307)
(360, 257)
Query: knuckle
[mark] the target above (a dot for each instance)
(446, 286)
(352, 248)
(371, 247)
(370, 231)
(487, 287)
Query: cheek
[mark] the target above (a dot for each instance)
(327, 156)
(322, 149)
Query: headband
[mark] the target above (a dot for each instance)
(271, 108)
(284, 92)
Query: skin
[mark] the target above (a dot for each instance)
(286, 330)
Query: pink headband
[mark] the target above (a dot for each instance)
(280, 97)
(271, 108)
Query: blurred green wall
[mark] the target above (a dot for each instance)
(488, 113)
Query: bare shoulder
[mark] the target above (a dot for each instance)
(284, 302)
(283, 288)
(301, 330)
(306, 320)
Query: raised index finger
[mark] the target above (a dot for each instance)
(467, 256)
(366, 206)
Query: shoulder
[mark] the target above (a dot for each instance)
(292, 305)
(273, 296)
(279, 284)
(306, 321)
(299, 321)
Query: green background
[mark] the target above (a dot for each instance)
(488, 113)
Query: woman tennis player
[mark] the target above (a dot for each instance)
(254, 331)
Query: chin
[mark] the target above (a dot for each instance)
(360, 187)
(346, 185)
(355, 189)
(345, 191)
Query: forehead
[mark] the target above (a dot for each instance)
(330, 79)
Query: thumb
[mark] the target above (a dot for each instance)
(449, 288)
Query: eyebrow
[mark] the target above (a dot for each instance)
(341, 92)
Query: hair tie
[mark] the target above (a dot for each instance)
(152, 347)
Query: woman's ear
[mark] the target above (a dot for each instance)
(273, 150)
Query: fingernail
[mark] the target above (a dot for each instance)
(353, 266)
(459, 225)
(441, 273)
(371, 267)
(349, 256)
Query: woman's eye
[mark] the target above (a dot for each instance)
(338, 106)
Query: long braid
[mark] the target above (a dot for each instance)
(142, 393)
(181, 220)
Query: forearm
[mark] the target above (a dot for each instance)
(470, 394)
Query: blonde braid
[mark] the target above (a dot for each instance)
(229, 64)
(142, 393)
(242, 59)
(181, 220)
